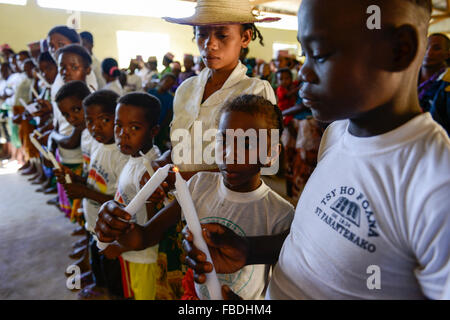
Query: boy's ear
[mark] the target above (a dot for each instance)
(88, 70)
(405, 46)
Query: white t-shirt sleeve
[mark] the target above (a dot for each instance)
(431, 243)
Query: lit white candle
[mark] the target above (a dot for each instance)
(185, 201)
(141, 197)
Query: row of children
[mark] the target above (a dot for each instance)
(115, 137)
(360, 208)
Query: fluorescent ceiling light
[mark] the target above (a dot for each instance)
(146, 8)
(17, 2)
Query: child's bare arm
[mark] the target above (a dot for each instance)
(68, 142)
(96, 195)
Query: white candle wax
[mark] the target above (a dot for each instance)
(141, 197)
(185, 200)
(57, 166)
(39, 147)
(23, 102)
(36, 95)
(149, 188)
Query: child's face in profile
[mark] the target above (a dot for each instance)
(72, 67)
(48, 70)
(220, 46)
(132, 131)
(71, 109)
(342, 77)
(241, 177)
(284, 79)
(100, 123)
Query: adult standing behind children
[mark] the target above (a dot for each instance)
(87, 41)
(220, 38)
(373, 220)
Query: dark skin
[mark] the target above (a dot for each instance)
(133, 134)
(100, 123)
(101, 126)
(57, 41)
(220, 48)
(71, 108)
(237, 177)
(435, 57)
(49, 71)
(72, 67)
(345, 78)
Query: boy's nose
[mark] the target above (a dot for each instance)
(306, 74)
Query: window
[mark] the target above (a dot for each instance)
(146, 44)
(17, 2)
(148, 8)
(291, 48)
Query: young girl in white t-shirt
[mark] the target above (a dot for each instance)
(236, 197)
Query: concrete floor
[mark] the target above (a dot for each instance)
(34, 242)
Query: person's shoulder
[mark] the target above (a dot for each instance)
(333, 133)
(276, 200)
(433, 139)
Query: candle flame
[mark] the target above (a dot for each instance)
(175, 169)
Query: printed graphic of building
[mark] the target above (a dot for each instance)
(348, 209)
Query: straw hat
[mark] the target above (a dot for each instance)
(220, 12)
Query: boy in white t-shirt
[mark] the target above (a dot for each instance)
(135, 128)
(236, 197)
(105, 165)
(373, 220)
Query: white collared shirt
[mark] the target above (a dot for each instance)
(188, 106)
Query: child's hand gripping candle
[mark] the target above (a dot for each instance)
(57, 166)
(43, 80)
(141, 197)
(187, 205)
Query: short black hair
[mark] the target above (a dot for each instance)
(107, 99)
(77, 89)
(67, 32)
(146, 101)
(253, 104)
(47, 57)
(447, 40)
(111, 67)
(78, 50)
(24, 53)
(285, 70)
(86, 35)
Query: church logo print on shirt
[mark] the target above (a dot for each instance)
(348, 212)
(347, 209)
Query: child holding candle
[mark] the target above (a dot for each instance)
(135, 128)
(105, 165)
(236, 197)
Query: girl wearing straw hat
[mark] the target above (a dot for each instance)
(222, 28)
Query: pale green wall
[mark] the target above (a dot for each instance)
(20, 25)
